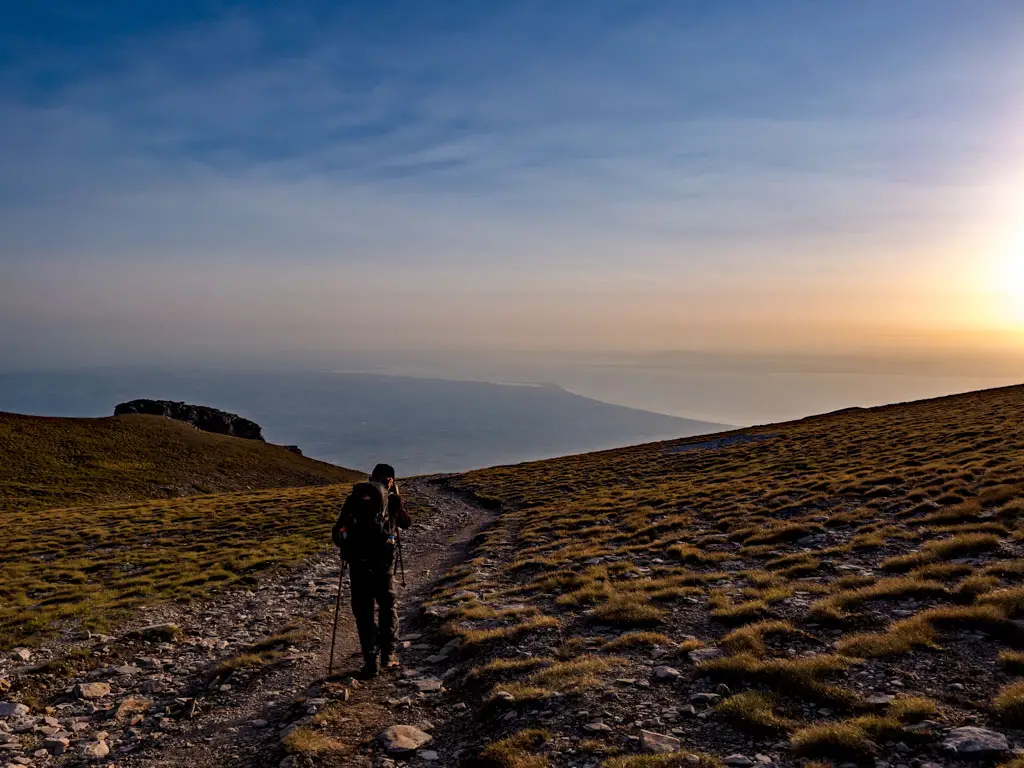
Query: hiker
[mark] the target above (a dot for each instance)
(366, 533)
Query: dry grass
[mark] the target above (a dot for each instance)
(516, 751)
(837, 605)
(97, 564)
(476, 637)
(621, 610)
(502, 667)
(754, 711)
(563, 677)
(738, 541)
(750, 639)
(1009, 704)
(793, 677)
(306, 741)
(57, 462)
(1012, 662)
(674, 760)
(259, 654)
(843, 741)
(921, 630)
(912, 709)
(637, 639)
(944, 549)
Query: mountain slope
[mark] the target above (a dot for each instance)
(847, 587)
(62, 461)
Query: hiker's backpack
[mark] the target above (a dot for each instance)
(363, 530)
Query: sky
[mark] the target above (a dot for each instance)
(279, 183)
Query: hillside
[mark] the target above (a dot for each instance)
(846, 587)
(63, 462)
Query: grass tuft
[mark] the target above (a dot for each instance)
(1009, 704)
(835, 741)
(754, 711)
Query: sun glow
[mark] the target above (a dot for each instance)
(1009, 287)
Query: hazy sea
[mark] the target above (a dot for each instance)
(356, 420)
(434, 415)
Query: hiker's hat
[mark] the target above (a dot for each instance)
(383, 472)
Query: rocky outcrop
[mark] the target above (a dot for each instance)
(199, 416)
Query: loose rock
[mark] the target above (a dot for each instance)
(92, 690)
(658, 742)
(975, 743)
(12, 709)
(56, 745)
(133, 705)
(96, 749)
(667, 673)
(402, 739)
(156, 632)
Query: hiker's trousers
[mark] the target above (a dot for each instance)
(373, 582)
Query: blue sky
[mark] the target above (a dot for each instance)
(251, 178)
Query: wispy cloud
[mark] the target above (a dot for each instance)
(682, 142)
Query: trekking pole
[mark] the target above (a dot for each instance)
(337, 610)
(400, 562)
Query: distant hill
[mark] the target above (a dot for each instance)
(356, 420)
(65, 461)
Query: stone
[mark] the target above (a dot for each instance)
(403, 739)
(597, 727)
(96, 749)
(56, 745)
(707, 699)
(704, 654)
(880, 700)
(12, 709)
(667, 673)
(133, 705)
(426, 685)
(21, 654)
(199, 416)
(429, 755)
(738, 761)
(156, 632)
(976, 743)
(92, 690)
(658, 742)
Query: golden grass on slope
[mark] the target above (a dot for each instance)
(96, 563)
(516, 751)
(754, 711)
(769, 548)
(58, 462)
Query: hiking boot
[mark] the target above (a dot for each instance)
(388, 660)
(370, 669)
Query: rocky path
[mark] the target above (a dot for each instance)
(201, 685)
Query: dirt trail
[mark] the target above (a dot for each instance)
(241, 725)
